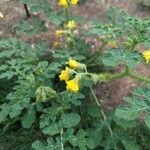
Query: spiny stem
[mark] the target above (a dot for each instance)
(139, 77)
(103, 114)
(105, 77)
(125, 73)
(119, 75)
(98, 104)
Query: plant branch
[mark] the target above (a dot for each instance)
(139, 77)
(61, 136)
(103, 114)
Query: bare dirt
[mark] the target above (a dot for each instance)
(112, 93)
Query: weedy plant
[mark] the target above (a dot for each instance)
(47, 97)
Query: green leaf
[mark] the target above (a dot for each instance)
(57, 18)
(50, 144)
(125, 124)
(94, 111)
(29, 118)
(147, 120)
(52, 129)
(127, 113)
(19, 97)
(3, 116)
(70, 120)
(94, 138)
(116, 57)
(132, 111)
(49, 115)
(130, 145)
(15, 108)
(79, 140)
(6, 54)
(110, 142)
(38, 145)
(142, 93)
(32, 26)
(66, 98)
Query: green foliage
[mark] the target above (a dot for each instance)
(37, 111)
(138, 105)
(15, 56)
(29, 117)
(70, 120)
(116, 57)
(30, 27)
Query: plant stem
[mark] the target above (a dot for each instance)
(99, 105)
(61, 136)
(105, 77)
(139, 77)
(119, 75)
(125, 73)
(103, 114)
(67, 14)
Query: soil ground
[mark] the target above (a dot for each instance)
(112, 93)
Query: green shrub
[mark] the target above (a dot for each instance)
(38, 111)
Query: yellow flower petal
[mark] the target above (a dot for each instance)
(73, 63)
(71, 24)
(65, 74)
(146, 55)
(63, 3)
(74, 2)
(72, 85)
(59, 32)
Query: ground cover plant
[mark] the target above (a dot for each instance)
(47, 97)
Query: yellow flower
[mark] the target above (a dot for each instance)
(65, 74)
(73, 63)
(146, 55)
(72, 85)
(71, 24)
(63, 3)
(74, 2)
(59, 32)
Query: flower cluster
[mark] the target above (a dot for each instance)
(146, 55)
(67, 3)
(70, 25)
(67, 74)
(66, 31)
